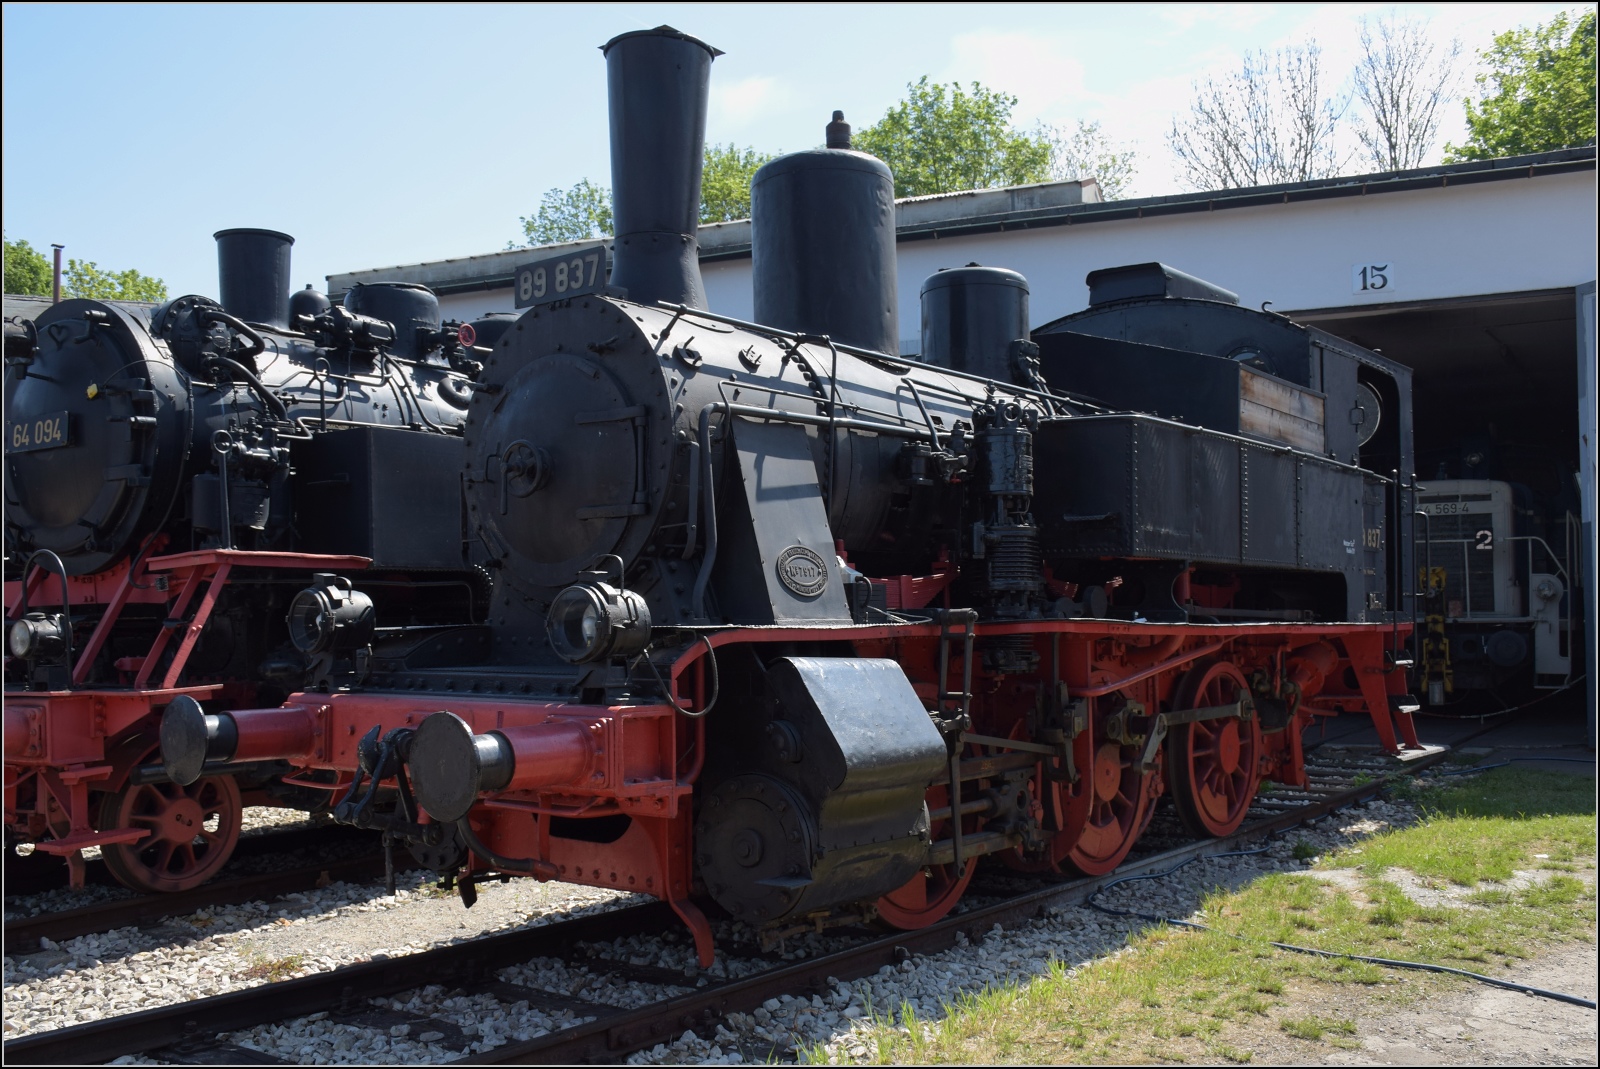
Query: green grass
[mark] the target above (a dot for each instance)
(1182, 995)
(274, 970)
(1316, 1027)
(1497, 822)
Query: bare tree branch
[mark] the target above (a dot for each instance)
(1086, 152)
(1271, 121)
(1402, 78)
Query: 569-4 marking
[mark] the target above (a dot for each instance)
(42, 432)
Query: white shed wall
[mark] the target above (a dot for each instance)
(1462, 241)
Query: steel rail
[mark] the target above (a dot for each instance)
(467, 964)
(613, 1038)
(614, 1033)
(39, 872)
(23, 935)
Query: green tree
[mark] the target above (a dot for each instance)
(27, 270)
(1085, 152)
(584, 211)
(725, 186)
(83, 278)
(1537, 93)
(941, 139)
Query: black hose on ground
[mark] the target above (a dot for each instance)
(1392, 963)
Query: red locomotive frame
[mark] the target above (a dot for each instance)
(1117, 714)
(71, 755)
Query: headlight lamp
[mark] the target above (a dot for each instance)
(594, 620)
(330, 616)
(37, 634)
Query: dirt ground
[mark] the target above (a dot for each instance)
(1468, 1024)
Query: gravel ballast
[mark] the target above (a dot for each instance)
(232, 947)
(256, 821)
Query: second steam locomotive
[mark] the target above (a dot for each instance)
(173, 475)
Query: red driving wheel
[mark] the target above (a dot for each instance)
(1121, 800)
(193, 831)
(1063, 804)
(1212, 764)
(934, 891)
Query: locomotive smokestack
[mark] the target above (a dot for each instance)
(253, 275)
(659, 82)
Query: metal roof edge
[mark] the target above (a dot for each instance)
(1557, 161)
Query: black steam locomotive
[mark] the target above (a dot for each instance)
(788, 624)
(173, 476)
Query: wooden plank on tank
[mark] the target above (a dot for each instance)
(1280, 411)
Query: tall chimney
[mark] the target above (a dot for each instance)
(253, 275)
(659, 82)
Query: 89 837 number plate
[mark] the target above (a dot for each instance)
(582, 270)
(49, 431)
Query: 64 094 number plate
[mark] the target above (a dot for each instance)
(49, 431)
(582, 270)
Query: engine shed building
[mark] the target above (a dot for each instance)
(1480, 276)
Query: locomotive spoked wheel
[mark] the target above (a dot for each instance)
(934, 891)
(1121, 801)
(193, 831)
(1062, 808)
(1212, 764)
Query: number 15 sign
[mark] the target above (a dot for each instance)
(580, 270)
(1372, 278)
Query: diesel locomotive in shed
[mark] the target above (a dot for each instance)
(788, 626)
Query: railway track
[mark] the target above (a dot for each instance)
(38, 872)
(22, 934)
(583, 1028)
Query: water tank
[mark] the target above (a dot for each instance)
(823, 244)
(971, 316)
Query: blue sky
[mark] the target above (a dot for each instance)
(391, 134)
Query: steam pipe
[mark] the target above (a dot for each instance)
(899, 363)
